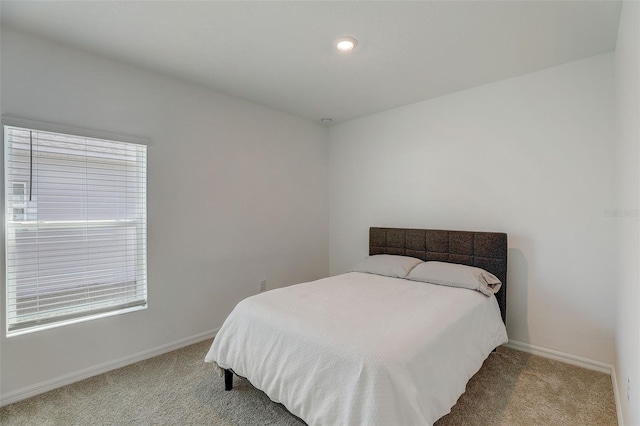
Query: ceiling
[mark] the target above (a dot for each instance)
(281, 54)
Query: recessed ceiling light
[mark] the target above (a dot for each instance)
(346, 44)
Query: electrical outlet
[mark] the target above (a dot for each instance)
(263, 285)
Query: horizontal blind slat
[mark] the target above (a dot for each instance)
(76, 299)
(52, 288)
(26, 324)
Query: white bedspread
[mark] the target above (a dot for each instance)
(361, 349)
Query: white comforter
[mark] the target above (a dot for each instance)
(361, 349)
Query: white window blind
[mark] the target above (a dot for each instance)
(75, 228)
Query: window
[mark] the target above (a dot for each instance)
(75, 228)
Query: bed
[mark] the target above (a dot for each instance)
(364, 348)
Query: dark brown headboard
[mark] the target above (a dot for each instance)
(486, 250)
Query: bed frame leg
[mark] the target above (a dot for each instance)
(228, 380)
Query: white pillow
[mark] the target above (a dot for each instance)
(456, 275)
(388, 265)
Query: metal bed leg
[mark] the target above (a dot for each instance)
(228, 380)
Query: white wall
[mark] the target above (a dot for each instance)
(236, 192)
(531, 156)
(627, 107)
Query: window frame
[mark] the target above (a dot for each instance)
(74, 132)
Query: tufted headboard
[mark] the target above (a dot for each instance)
(486, 250)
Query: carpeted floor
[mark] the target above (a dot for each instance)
(178, 388)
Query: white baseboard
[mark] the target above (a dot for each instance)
(616, 396)
(589, 364)
(67, 379)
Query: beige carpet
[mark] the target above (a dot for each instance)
(178, 388)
